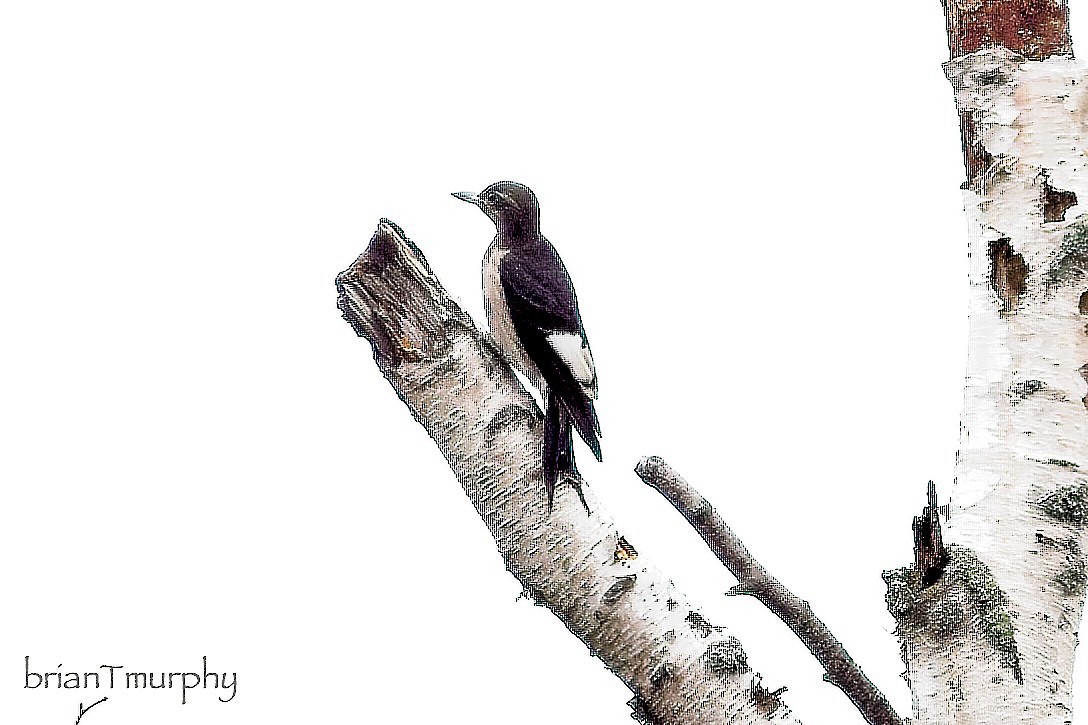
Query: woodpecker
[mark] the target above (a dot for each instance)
(532, 311)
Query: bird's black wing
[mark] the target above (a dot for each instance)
(542, 304)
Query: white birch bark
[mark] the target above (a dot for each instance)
(993, 640)
(682, 669)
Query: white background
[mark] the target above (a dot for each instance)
(759, 206)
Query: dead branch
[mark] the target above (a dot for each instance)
(754, 580)
(930, 554)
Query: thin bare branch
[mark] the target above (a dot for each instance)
(754, 580)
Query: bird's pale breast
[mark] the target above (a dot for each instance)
(498, 319)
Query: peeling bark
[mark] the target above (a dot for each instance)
(992, 638)
(681, 669)
(1036, 29)
(1056, 202)
(1008, 274)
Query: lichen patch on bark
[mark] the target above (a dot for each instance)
(1071, 261)
(1068, 504)
(965, 603)
(726, 656)
(1072, 575)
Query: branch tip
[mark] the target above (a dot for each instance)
(740, 590)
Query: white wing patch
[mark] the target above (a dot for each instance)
(575, 354)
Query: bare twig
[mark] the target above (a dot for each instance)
(754, 580)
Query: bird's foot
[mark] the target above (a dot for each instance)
(576, 482)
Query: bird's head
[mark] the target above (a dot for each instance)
(512, 206)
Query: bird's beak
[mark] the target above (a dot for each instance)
(468, 196)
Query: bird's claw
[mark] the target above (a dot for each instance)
(576, 482)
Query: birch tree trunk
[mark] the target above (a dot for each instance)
(992, 640)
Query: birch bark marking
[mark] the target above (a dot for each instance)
(682, 669)
(993, 639)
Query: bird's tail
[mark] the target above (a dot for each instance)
(585, 420)
(559, 445)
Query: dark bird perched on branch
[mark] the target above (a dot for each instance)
(533, 314)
